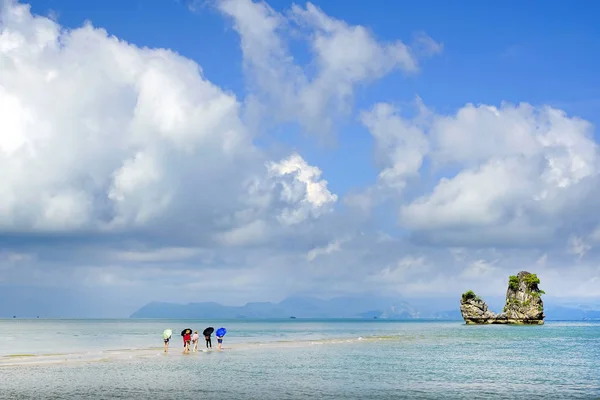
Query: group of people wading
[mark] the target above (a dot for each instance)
(191, 340)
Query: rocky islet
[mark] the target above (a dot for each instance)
(523, 305)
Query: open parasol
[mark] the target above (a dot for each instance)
(208, 331)
(221, 332)
(167, 333)
(186, 331)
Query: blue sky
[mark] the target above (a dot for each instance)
(510, 52)
(515, 52)
(494, 52)
(131, 170)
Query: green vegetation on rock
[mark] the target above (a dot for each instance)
(523, 303)
(468, 295)
(514, 301)
(531, 280)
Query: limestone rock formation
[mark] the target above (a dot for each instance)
(524, 303)
(474, 310)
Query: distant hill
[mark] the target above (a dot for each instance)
(365, 307)
(55, 302)
(300, 307)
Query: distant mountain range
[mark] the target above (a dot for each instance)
(300, 307)
(364, 307)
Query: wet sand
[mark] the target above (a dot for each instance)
(174, 351)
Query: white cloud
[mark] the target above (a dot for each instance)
(523, 172)
(423, 44)
(522, 166)
(148, 173)
(401, 145)
(473, 198)
(301, 187)
(332, 247)
(104, 136)
(103, 124)
(344, 56)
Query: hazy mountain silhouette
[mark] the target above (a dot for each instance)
(30, 302)
(367, 307)
(300, 307)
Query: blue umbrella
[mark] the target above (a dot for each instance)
(221, 332)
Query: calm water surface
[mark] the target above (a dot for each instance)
(298, 359)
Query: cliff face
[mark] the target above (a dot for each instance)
(474, 310)
(524, 299)
(524, 304)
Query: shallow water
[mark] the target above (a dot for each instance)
(296, 359)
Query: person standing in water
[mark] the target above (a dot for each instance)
(166, 337)
(208, 341)
(186, 342)
(220, 334)
(195, 338)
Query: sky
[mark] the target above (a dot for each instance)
(236, 151)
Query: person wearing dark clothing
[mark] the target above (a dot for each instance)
(208, 341)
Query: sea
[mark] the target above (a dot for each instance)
(299, 359)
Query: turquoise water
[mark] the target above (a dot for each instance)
(297, 359)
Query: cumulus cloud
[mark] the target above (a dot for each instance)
(129, 156)
(303, 188)
(103, 135)
(126, 168)
(523, 172)
(344, 56)
(401, 146)
(100, 135)
(507, 188)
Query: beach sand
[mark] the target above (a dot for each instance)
(174, 351)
